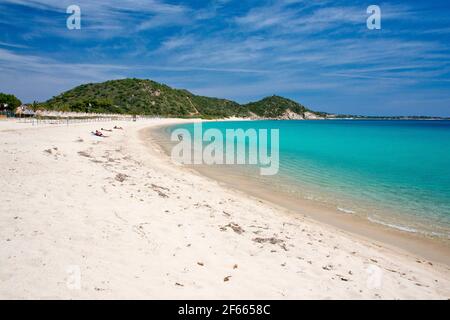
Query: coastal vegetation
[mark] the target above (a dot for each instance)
(147, 97)
(275, 106)
(9, 101)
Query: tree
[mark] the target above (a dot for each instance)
(10, 100)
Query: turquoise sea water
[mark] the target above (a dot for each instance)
(396, 173)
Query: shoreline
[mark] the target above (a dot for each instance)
(434, 249)
(117, 212)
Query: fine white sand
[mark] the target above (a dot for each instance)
(86, 217)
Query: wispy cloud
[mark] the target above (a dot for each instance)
(107, 18)
(34, 77)
(12, 45)
(313, 17)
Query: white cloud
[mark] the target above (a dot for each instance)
(103, 18)
(13, 45)
(312, 17)
(36, 78)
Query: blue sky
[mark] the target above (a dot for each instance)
(319, 53)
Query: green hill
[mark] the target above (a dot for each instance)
(275, 107)
(136, 96)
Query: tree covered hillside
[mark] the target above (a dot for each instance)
(275, 107)
(147, 97)
(135, 96)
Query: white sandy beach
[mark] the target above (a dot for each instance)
(138, 227)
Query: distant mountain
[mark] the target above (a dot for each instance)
(147, 97)
(276, 107)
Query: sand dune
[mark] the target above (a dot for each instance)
(87, 217)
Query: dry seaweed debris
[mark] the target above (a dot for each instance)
(234, 226)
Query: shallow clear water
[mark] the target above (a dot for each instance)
(393, 172)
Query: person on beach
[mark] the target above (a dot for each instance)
(98, 134)
(118, 128)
